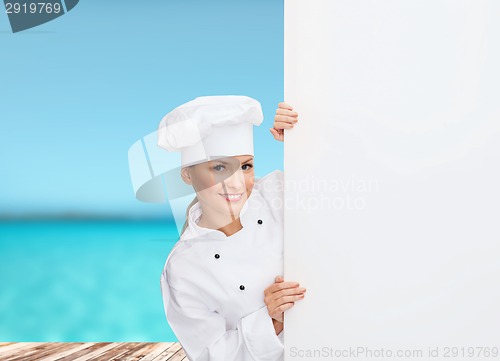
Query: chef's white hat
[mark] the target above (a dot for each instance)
(211, 127)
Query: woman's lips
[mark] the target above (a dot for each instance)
(232, 197)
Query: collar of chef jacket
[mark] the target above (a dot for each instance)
(196, 232)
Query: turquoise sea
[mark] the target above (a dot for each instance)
(67, 281)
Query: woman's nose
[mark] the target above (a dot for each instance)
(236, 181)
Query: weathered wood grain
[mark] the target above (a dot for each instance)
(75, 347)
(92, 351)
(169, 352)
(9, 349)
(160, 347)
(42, 350)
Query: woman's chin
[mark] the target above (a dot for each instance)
(233, 209)
(225, 211)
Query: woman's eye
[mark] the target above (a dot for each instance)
(246, 166)
(219, 168)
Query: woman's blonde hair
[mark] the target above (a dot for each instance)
(187, 213)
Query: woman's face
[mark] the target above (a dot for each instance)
(222, 186)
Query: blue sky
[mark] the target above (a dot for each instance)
(77, 92)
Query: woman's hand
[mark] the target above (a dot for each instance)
(285, 118)
(280, 296)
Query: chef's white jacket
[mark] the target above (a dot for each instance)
(213, 285)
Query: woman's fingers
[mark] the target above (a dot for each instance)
(287, 295)
(284, 105)
(276, 287)
(281, 296)
(277, 312)
(289, 291)
(280, 289)
(283, 303)
(285, 119)
(287, 299)
(282, 125)
(282, 285)
(286, 112)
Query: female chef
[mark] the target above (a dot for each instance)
(220, 293)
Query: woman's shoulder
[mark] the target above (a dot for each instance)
(274, 176)
(271, 182)
(270, 186)
(270, 194)
(177, 262)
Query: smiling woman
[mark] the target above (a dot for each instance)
(222, 187)
(220, 293)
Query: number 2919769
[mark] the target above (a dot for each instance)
(33, 8)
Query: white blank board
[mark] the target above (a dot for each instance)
(392, 218)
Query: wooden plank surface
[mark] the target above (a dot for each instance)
(41, 350)
(70, 351)
(91, 351)
(13, 347)
(160, 348)
(5, 343)
(170, 352)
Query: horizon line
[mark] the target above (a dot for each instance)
(82, 216)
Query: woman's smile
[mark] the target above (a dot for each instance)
(231, 197)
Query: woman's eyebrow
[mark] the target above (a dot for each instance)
(248, 160)
(224, 162)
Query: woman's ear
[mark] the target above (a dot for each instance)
(186, 175)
